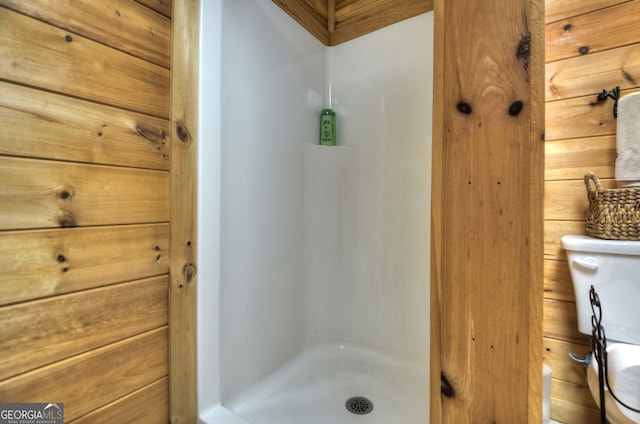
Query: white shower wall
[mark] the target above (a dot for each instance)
(301, 244)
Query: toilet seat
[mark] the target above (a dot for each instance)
(624, 378)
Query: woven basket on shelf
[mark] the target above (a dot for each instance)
(613, 214)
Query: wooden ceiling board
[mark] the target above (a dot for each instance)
(336, 21)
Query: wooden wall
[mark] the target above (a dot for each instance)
(85, 161)
(336, 21)
(590, 46)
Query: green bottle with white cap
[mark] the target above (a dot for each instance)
(328, 127)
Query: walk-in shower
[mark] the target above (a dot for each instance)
(313, 289)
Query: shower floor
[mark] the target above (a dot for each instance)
(314, 387)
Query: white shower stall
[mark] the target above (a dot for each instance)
(313, 261)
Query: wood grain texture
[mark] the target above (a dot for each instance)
(60, 261)
(556, 355)
(336, 21)
(308, 17)
(46, 125)
(570, 412)
(163, 7)
(572, 158)
(363, 17)
(67, 63)
(183, 213)
(579, 117)
(557, 281)
(149, 405)
(553, 232)
(607, 69)
(90, 380)
(561, 322)
(593, 32)
(561, 9)
(122, 24)
(42, 332)
(438, 213)
(48, 194)
(491, 152)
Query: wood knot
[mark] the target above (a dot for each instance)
(67, 220)
(65, 194)
(182, 132)
(464, 107)
(445, 387)
(516, 108)
(524, 47)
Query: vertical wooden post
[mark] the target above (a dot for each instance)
(182, 295)
(487, 212)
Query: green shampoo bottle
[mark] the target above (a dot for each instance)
(327, 127)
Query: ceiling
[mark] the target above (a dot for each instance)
(336, 21)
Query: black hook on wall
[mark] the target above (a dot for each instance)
(615, 95)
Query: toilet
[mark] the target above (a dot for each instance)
(612, 267)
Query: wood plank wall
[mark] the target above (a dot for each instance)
(85, 154)
(590, 46)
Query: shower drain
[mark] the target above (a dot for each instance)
(359, 405)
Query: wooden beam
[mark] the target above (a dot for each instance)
(487, 211)
(182, 295)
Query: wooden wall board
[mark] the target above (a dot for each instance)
(567, 200)
(163, 7)
(556, 355)
(149, 405)
(593, 32)
(575, 393)
(122, 24)
(572, 158)
(70, 64)
(52, 262)
(557, 281)
(90, 380)
(553, 232)
(46, 125)
(607, 69)
(56, 328)
(561, 9)
(50, 194)
(569, 412)
(561, 322)
(579, 117)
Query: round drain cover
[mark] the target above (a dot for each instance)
(359, 405)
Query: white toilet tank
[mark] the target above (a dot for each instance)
(613, 268)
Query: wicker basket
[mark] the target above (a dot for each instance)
(613, 214)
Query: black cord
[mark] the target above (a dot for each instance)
(599, 348)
